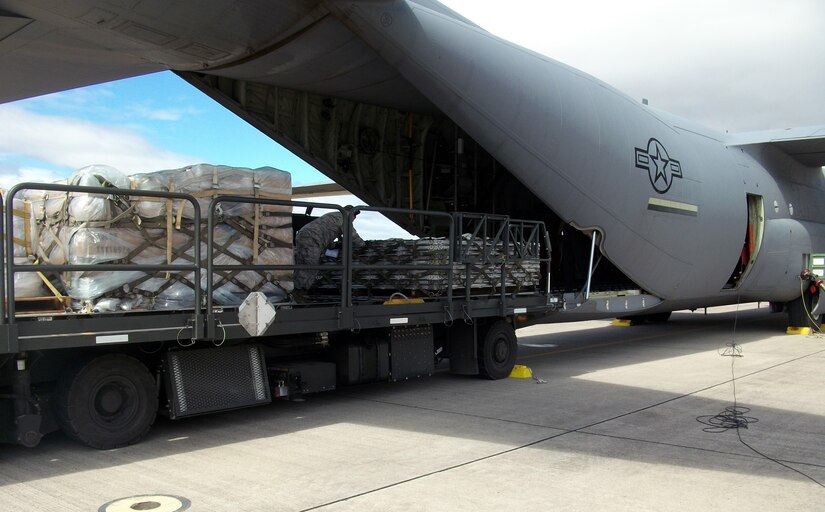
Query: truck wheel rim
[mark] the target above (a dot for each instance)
(501, 351)
(112, 405)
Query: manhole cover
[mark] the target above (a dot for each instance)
(154, 502)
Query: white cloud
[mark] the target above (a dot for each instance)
(74, 143)
(165, 114)
(738, 65)
(12, 176)
(101, 102)
(159, 114)
(369, 225)
(75, 100)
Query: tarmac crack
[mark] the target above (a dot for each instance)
(697, 448)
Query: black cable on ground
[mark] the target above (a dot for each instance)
(734, 417)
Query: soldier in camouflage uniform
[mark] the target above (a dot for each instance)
(312, 240)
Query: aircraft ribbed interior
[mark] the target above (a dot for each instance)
(392, 158)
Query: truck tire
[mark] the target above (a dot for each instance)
(106, 402)
(497, 351)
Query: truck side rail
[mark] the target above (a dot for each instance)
(443, 267)
(8, 275)
(500, 241)
(11, 268)
(212, 267)
(353, 303)
(346, 318)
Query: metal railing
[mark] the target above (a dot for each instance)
(212, 267)
(443, 267)
(11, 268)
(8, 275)
(500, 239)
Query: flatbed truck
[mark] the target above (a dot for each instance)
(103, 377)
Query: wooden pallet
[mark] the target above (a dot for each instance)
(40, 305)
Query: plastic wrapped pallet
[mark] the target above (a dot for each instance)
(521, 275)
(140, 230)
(23, 233)
(87, 207)
(204, 182)
(22, 224)
(27, 284)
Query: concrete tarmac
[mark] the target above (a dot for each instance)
(608, 423)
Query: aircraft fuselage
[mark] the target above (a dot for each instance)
(674, 207)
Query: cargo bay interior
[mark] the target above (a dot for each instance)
(402, 159)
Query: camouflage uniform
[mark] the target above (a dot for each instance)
(312, 240)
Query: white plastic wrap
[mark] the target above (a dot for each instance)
(46, 204)
(206, 181)
(146, 207)
(273, 283)
(27, 284)
(24, 233)
(24, 229)
(73, 229)
(86, 246)
(93, 207)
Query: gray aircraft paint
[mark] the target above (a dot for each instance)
(573, 138)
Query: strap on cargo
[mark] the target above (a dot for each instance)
(179, 218)
(256, 223)
(27, 227)
(26, 241)
(49, 284)
(169, 231)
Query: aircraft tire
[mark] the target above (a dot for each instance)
(651, 318)
(106, 402)
(497, 351)
(658, 318)
(798, 313)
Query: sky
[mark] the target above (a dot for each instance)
(737, 65)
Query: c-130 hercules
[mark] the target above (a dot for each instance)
(408, 104)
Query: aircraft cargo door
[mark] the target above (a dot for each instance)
(752, 243)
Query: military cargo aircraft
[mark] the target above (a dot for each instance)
(409, 104)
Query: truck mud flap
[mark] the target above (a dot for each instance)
(462, 348)
(411, 352)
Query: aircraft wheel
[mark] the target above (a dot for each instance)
(106, 402)
(497, 351)
(799, 313)
(652, 318)
(658, 318)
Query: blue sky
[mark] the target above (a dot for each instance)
(157, 121)
(145, 124)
